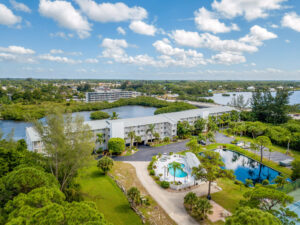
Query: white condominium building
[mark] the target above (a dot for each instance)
(164, 124)
(109, 95)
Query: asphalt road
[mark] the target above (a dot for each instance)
(145, 153)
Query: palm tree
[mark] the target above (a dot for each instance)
(210, 136)
(280, 181)
(105, 164)
(137, 140)
(175, 166)
(100, 138)
(156, 136)
(260, 143)
(131, 136)
(114, 116)
(201, 137)
(150, 130)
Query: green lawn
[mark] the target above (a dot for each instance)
(109, 199)
(230, 195)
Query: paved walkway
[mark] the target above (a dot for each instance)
(274, 156)
(172, 202)
(146, 153)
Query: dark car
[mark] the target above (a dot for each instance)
(202, 142)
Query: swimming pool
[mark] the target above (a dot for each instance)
(247, 168)
(179, 172)
(296, 208)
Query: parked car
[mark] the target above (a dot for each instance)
(202, 142)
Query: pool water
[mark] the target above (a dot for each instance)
(295, 207)
(247, 168)
(179, 172)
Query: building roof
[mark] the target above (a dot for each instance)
(141, 121)
(172, 118)
(32, 134)
(192, 160)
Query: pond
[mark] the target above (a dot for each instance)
(247, 168)
(224, 100)
(6, 126)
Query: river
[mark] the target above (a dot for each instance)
(7, 126)
(224, 100)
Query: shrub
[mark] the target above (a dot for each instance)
(99, 115)
(116, 145)
(134, 196)
(296, 169)
(99, 150)
(171, 153)
(265, 182)
(165, 184)
(248, 182)
(166, 139)
(152, 172)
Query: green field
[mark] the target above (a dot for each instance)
(109, 199)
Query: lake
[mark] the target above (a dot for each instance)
(224, 100)
(247, 168)
(6, 126)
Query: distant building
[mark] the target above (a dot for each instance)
(170, 96)
(109, 95)
(251, 88)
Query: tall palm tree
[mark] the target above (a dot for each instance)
(100, 138)
(210, 136)
(114, 116)
(175, 166)
(150, 130)
(137, 139)
(131, 136)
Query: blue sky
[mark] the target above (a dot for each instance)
(213, 39)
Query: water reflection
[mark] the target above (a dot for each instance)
(7, 126)
(246, 168)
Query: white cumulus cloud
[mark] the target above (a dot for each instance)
(17, 50)
(20, 6)
(291, 20)
(110, 12)
(228, 58)
(121, 31)
(257, 35)
(250, 9)
(141, 27)
(58, 59)
(208, 21)
(206, 40)
(66, 15)
(7, 17)
(56, 51)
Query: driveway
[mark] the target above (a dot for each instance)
(145, 153)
